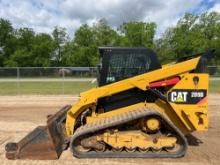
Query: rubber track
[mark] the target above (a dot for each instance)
(92, 128)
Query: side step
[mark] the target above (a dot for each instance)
(44, 142)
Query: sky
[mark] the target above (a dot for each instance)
(44, 15)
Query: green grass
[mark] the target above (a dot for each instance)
(54, 88)
(214, 86)
(12, 88)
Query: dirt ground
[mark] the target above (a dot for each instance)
(21, 114)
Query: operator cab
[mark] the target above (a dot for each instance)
(120, 63)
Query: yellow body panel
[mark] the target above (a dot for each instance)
(184, 116)
(194, 116)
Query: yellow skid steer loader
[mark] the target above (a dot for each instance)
(139, 109)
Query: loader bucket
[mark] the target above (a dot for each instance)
(44, 142)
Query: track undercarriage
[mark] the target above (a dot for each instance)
(138, 133)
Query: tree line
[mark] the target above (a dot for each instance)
(22, 47)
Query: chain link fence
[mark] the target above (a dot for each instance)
(214, 71)
(55, 80)
(47, 72)
(47, 80)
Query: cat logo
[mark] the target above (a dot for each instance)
(179, 97)
(183, 96)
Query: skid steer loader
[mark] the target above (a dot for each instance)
(139, 109)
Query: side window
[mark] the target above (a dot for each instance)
(122, 66)
(115, 68)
